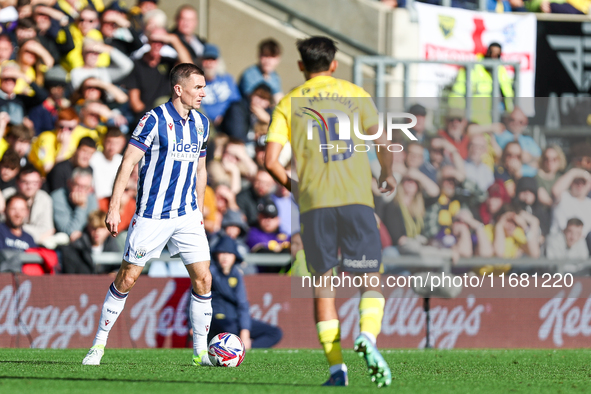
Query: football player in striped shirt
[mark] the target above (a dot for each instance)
(335, 198)
(169, 143)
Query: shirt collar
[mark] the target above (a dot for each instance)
(175, 115)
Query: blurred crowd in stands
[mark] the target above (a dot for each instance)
(76, 77)
(487, 190)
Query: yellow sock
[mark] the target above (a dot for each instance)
(371, 312)
(329, 334)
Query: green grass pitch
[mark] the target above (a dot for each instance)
(170, 371)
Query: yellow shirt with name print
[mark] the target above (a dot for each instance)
(328, 177)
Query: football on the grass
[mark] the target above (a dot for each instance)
(226, 350)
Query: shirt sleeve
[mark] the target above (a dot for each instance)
(203, 151)
(280, 129)
(144, 133)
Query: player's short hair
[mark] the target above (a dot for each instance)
(67, 114)
(269, 47)
(574, 222)
(20, 132)
(28, 169)
(181, 72)
(10, 159)
(87, 141)
(17, 196)
(317, 53)
(96, 219)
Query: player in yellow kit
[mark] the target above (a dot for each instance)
(335, 199)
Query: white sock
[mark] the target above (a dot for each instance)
(200, 320)
(337, 367)
(112, 308)
(370, 336)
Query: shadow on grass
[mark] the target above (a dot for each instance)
(153, 381)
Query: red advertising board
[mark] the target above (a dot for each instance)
(63, 311)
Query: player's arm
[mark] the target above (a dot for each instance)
(386, 159)
(273, 165)
(132, 156)
(277, 137)
(201, 182)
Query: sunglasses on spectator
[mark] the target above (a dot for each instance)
(9, 79)
(513, 155)
(454, 119)
(88, 20)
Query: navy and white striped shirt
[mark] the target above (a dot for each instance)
(168, 170)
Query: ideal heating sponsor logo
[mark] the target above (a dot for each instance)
(325, 127)
(184, 152)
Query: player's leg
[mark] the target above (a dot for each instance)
(362, 252)
(111, 309)
(329, 332)
(189, 240)
(371, 312)
(319, 238)
(145, 239)
(371, 307)
(200, 309)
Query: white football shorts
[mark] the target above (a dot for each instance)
(184, 235)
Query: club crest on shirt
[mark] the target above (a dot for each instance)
(200, 130)
(140, 253)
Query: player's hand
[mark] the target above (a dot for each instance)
(245, 337)
(387, 184)
(112, 221)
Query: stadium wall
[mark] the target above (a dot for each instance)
(62, 312)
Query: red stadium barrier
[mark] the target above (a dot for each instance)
(62, 312)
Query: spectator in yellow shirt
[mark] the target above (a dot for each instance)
(34, 61)
(85, 27)
(59, 144)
